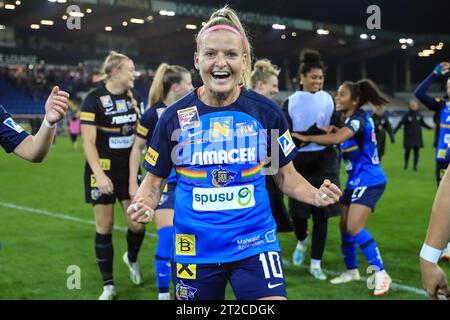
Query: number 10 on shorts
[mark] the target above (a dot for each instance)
(274, 263)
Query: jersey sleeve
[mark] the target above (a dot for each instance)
(431, 103)
(286, 146)
(89, 110)
(158, 159)
(147, 124)
(356, 123)
(11, 134)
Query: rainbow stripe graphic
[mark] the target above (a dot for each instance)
(191, 174)
(349, 149)
(252, 172)
(110, 130)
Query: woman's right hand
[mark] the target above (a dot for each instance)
(104, 183)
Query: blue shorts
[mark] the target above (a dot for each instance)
(367, 196)
(252, 278)
(167, 200)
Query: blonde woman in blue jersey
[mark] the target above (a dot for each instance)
(171, 82)
(217, 139)
(366, 179)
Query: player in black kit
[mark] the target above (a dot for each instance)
(108, 117)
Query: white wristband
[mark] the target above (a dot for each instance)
(430, 254)
(48, 125)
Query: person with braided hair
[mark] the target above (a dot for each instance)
(108, 119)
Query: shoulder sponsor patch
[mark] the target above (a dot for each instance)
(286, 143)
(9, 122)
(185, 245)
(355, 124)
(151, 156)
(140, 129)
(188, 118)
(87, 116)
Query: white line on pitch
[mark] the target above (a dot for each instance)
(394, 286)
(61, 216)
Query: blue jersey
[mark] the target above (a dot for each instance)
(11, 134)
(442, 107)
(146, 127)
(443, 144)
(360, 153)
(222, 212)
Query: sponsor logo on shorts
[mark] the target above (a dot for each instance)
(222, 177)
(95, 194)
(188, 118)
(121, 142)
(231, 198)
(152, 156)
(271, 286)
(184, 292)
(187, 271)
(185, 245)
(9, 122)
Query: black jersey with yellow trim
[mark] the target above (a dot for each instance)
(115, 117)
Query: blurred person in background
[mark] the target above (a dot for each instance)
(382, 125)
(171, 82)
(412, 122)
(109, 115)
(264, 80)
(311, 110)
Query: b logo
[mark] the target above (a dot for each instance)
(185, 244)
